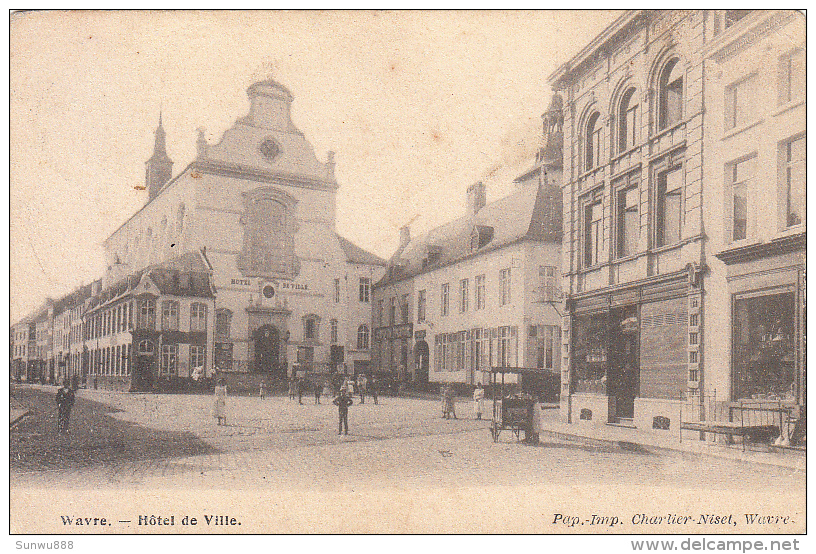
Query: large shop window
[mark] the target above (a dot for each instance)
(764, 347)
(590, 352)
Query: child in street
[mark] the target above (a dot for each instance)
(262, 392)
(343, 402)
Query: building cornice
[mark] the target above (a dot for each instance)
(239, 171)
(776, 247)
(743, 40)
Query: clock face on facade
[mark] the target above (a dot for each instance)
(269, 291)
(270, 149)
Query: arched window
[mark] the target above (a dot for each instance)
(671, 95)
(627, 121)
(362, 337)
(145, 347)
(198, 316)
(593, 141)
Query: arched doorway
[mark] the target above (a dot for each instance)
(267, 349)
(421, 361)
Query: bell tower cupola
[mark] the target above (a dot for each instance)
(159, 168)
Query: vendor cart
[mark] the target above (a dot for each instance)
(511, 412)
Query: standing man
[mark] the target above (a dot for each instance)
(478, 401)
(373, 387)
(65, 401)
(343, 402)
(362, 383)
(299, 385)
(317, 392)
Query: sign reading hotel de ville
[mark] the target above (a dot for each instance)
(392, 272)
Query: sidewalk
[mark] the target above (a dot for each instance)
(624, 437)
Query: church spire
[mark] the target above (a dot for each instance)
(159, 168)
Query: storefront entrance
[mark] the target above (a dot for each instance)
(267, 349)
(624, 363)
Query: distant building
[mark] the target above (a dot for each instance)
(152, 327)
(480, 291)
(292, 295)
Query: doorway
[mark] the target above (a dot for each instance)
(421, 361)
(624, 363)
(266, 349)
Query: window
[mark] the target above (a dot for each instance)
(792, 77)
(507, 347)
(739, 104)
(742, 174)
(627, 121)
(441, 353)
(504, 287)
(480, 292)
(125, 314)
(765, 346)
(392, 311)
(147, 314)
(593, 228)
(198, 317)
(670, 95)
(668, 214)
(170, 315)
(793, 162)
(333, 326)
(445, 299)
(404, 309)
(117, 365)
(380, 313)
(546, 341)
(169, 356)
(310, 328)
(592, 145)
(421, 307)
(305, 354)
(362, 337)
(197, 355)
(464, 294)
(365, 289)
(337, 291)
(546, 283)
(268, 243)
(628, 220)
(223, 324)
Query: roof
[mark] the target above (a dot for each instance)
(170, 278)
(357, 255)
(529, 213)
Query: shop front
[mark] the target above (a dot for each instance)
(630, 361)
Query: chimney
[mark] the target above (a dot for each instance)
(475, 198)
(405, 236)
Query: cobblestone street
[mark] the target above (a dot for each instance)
(134, 442)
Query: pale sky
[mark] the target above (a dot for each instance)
(417, 106)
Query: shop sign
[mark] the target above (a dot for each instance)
(404, 331)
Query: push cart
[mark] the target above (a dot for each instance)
(511, 413)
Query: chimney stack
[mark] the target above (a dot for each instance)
(405, 236)
(476, 198)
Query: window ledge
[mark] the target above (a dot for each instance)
(678, 244)
(629, 258)
(593, 267)
(738, 130)
(789, 106)
(668, 130)
(589, 172)
(625, 153)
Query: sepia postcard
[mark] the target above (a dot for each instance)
(416, 272)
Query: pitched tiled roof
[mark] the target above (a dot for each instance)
(530, 212)
(357, 255)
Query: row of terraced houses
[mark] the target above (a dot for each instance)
(654, 251)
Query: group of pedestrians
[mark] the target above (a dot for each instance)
(342, 398)
(447, 397)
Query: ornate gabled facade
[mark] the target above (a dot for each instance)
(291, 293)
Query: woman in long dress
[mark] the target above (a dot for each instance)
(478, 401)
(220, 406)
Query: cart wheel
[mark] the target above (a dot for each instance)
(494, 431)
